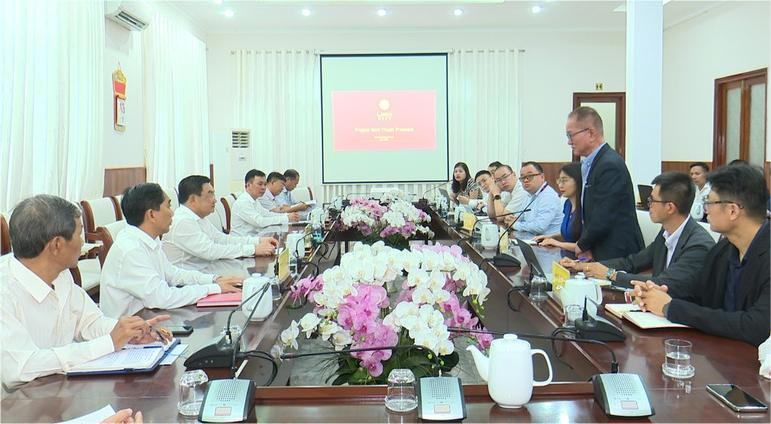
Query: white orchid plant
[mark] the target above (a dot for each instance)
(352, 309)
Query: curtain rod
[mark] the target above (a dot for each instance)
(232, 52)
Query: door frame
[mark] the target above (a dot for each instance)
(617, 97)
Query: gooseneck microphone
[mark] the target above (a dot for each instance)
(614, 367)
(503, 260)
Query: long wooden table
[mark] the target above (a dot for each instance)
(717, 360)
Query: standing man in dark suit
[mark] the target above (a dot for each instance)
(731, 296)
(676, 255)
(610, 227)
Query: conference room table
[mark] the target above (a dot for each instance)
(568, 398)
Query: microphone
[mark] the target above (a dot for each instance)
(598, 328)
(299, 259)
(472, 236)
(614, 367)
(434, 187)
(503, 260)
(220, 353)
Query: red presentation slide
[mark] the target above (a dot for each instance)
(384, 120)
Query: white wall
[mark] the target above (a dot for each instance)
(124, 47)
(553, 67)
(727, 40)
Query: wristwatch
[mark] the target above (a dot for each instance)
(611, 274)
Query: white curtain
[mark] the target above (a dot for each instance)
(176, 104)
(51, 86)
(278, 99)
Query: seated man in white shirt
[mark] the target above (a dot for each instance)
(483, 180)
(270, 200)
(193, 241)
(507, 197)
(291, 179)
(137, 274)
(49, 324)
(248, 216)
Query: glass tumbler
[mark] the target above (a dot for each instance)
(192, 387)
(401, 396)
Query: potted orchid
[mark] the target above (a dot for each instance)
(352, 309)
(394, 223)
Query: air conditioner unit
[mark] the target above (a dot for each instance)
(132, 15)
(240, 141)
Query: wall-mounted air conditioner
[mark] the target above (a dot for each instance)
(132, 15)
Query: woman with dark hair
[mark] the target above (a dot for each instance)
(460, 183)
(569, 184)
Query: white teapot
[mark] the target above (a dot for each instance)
(509, 370)
(489, 236)
(579, 288)
(252, 285)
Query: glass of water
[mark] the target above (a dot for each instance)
(572, 313)
(538, 288)
(401, 396)
(192, 387)
(677, 359)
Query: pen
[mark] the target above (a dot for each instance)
(160, 336)
(582, 259)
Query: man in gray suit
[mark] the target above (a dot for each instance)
(676, 255)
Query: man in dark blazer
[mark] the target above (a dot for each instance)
(676, 255)
(731, 295)
(610, 228)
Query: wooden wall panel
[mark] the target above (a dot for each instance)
(551, 171)
(118, 179)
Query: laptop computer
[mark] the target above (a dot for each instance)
(530, 258)
(644, 191)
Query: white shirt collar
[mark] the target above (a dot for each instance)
(137, 233)
(186, 212)
(671, 239)
(30, 281)
(268, 195)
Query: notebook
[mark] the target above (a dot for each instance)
(644, 320)
(124, 361)
(220, 299)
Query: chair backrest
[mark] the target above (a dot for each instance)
(116, 200)
(302, 194)
(5, 236)
(107, 235)
(715, 235)
(227, 206)
(649, 228)
(97, 213)
(218, 218)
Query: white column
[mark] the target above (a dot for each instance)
(644, 52)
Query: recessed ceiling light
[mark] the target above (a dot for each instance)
(217, 2)
(228, 13)
(306, 12)
(382, 12)
(536, 9)
(457, 12)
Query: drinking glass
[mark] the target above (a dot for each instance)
(572, 313)
(401, 396)
(192, 387)
(677, 359)
(538, 289)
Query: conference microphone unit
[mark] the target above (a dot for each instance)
(614, 367)
(472, 237)
(221, 352)
(439, 398)
(507, 261)
(597, 328)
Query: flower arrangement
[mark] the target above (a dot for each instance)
(394, 223)
(352, 309)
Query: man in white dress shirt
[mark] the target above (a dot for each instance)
(193, 241)
(507, 195)
(137, 274)
(284, 198)
(545, 214)
(248, 216)
(50, 325)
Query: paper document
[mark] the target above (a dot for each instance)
(174, 354)
(644, 320)
(158, 343)
(122, 359)
(94, 417)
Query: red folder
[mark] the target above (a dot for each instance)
(221, 299)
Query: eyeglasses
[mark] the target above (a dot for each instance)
(652, 200)
(502, 177)
(563, 180)
(707, 203)
(570, 136)
(528, 177)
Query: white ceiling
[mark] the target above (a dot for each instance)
(285, 15)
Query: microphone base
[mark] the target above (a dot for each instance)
(599, 329)
(503, 260)
(218, 354)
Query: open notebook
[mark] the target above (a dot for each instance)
(130, 359)
(644, 320)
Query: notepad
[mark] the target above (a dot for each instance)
(220, 299)
(128, 360)
(644, 320)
